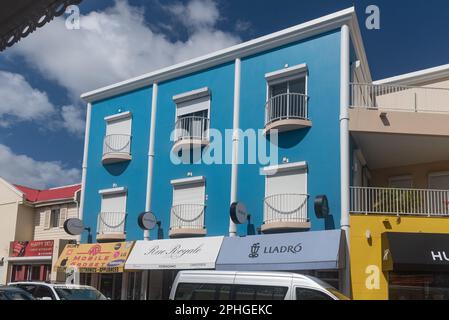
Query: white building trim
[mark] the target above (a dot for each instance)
(191, 95)
(284, 168)
(417, 77)
(113, 191)
(179, 182)
(290, 72)
(118, 116)
(299, 32)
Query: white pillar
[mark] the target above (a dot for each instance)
(235, 143)
(146, 235)
(84, 170)
(344, 148)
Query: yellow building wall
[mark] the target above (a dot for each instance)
(366, 255)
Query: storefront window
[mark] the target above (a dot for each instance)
(111, 285)
(419, 286)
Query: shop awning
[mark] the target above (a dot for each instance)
(322, 250)
(175, 254)
(95, 258)
(415, 252)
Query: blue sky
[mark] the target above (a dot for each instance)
(41, 130)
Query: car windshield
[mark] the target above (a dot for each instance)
(337, 293)
(17, 296)
(79, 294)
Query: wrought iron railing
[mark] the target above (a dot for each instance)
(400, 98)
(286, 106)
(187, 216)
(111, 223)
(117, 144)
(396, 201)
(286, 208)
(192, 128)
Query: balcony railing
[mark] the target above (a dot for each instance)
(111, 223)
(117, 144)
(395, 201)
(187, 216)
(286, 208)
(286, 106)
(400, 98)
(189, 128)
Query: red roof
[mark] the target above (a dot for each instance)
(34, 195)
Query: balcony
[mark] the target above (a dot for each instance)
(111, 226)
(396, 201)
(400, 98)
(116, 148)
(287, 112)
(191, 132)
(187, 220)
(285, 213)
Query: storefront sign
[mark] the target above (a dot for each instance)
(321, 207)
(239, 214)
(31, 249)
(95, 258)
(194, 253)
(291, 251)
(147, 221)
(423, 252)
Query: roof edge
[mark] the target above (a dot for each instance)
(424, 75)
(264, 43)
(12, 187)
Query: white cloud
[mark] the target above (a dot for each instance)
(21, 169)
(196, 13)
(116, 44)
(73, 120)
(20, 102)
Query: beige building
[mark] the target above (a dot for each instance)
(400, 187)
(31, 229)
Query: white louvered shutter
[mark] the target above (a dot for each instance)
(47, 219)
(62, 216)
(189, 194)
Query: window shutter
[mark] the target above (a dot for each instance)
(62, 217)
(47, 218)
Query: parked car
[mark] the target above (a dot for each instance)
(53, 291)
(230, 285)
(12, 293)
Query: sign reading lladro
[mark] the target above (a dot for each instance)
(321, 250)
(194, 253)
(283, 249)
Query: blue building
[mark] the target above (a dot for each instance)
(263, 123)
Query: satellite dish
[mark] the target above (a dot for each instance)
(74, 227)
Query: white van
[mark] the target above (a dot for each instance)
(232, 285)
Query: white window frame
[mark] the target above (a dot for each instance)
(286, 75)
(115, 191)
(51, 217)
(401, 178)
(436, 174)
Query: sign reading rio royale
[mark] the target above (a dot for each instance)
(95, 258)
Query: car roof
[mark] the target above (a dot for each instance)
(305, 278)
(54, 285)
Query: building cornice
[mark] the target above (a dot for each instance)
(418, 77)
(296, 33)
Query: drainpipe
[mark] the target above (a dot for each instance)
(344, 148)
(146, 234)
(84, 170)
(235, 143)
